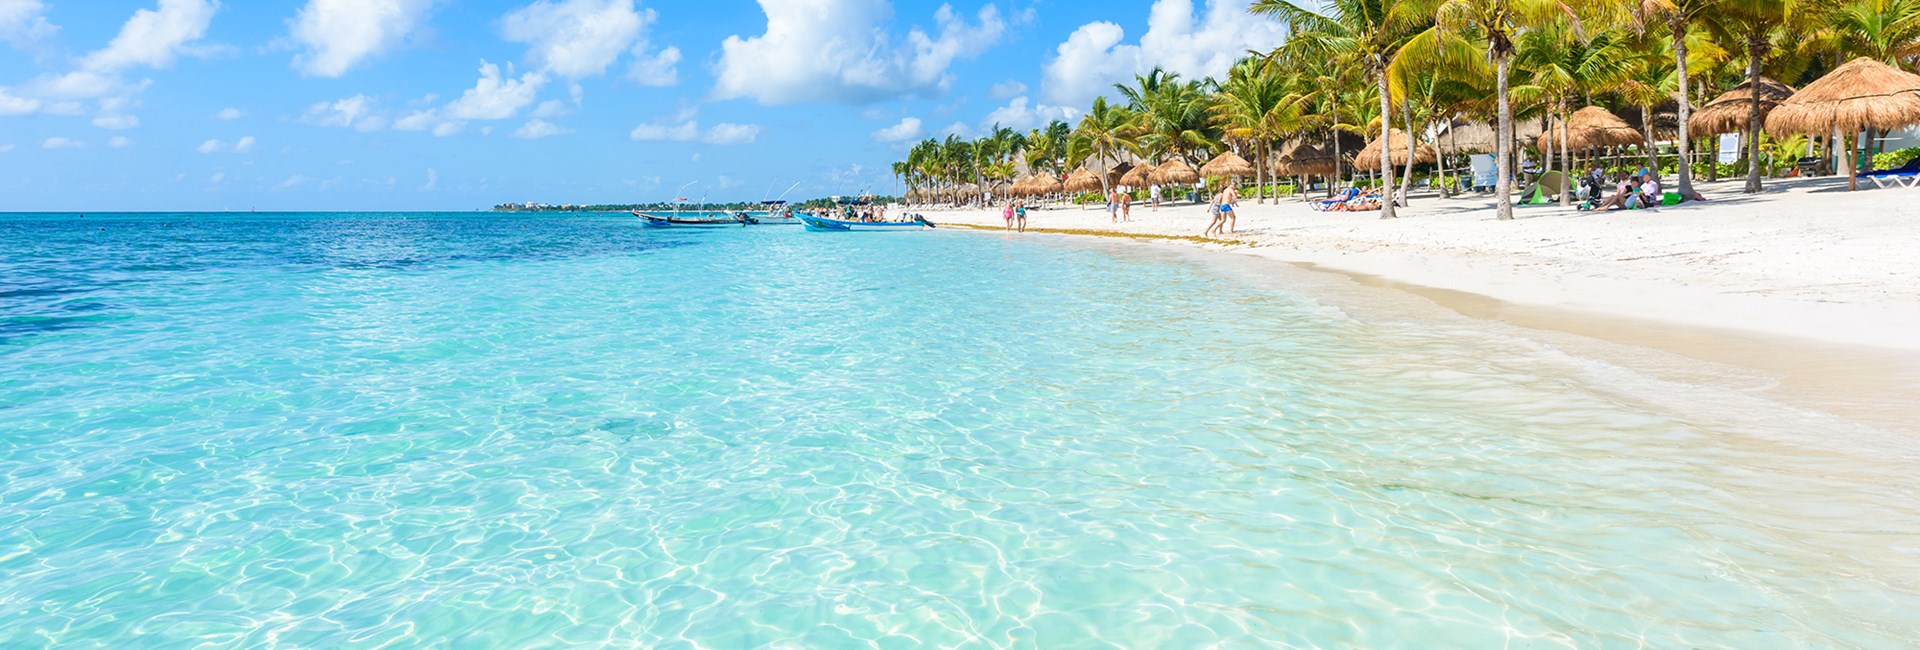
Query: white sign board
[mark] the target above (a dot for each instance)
(1484, 175)
(1729, 148)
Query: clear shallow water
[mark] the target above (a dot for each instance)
(349, 430)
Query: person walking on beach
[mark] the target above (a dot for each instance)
(1153, 194)
(1230, 199)
(1113, 205)
(1216, 221)
(1126, 206)
(1007, 214)
(1020, 215)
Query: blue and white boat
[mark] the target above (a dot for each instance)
(823, 224)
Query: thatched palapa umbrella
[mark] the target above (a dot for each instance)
(1177, 171)
(1369, 157)
(1592, 127)
(1141, 176)
(1303, 159)
(1081, 180)
(1228, 164)
(1862, 94)
(1729, 112)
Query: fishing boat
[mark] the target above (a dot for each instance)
(838, 225)
(674, 221)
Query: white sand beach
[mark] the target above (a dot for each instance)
(1805, 259)
(1816, 288)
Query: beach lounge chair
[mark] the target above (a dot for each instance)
(1343, 197)
(1544, 191)
(1907, 175)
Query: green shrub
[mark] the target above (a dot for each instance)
(1893, 159)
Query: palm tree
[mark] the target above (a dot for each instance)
(1680, 16)
(1366, 32)
(1647, 81)
(1249, 109)
(1748, 24)
(1886, 30)
(1106, 131)
(1563, 66)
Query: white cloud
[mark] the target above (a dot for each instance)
(496, 97)
(416, 121)
(57, 142)
(687, 130)
(1094, 58)
(11, 105)
(243, 145)
(340, 33)
(356, 112)
(229, 114)
(119, 142)
(656, 70)
(293, 181)
(552, 108)
(1008, 89)
(958, 128)
(837, 51)
(433, 180)
(580, 38)
(6, 147)
(23, 24)
(907, 129)
(154, 37)
(445, 129)
(1018, 115)
(116, 121)
(217, 177)
(536, 129)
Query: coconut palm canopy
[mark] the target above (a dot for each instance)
(1861, 94)
(1370, 156)
(1728, 113)
(1590, 128)
(1227, 164)
(1177, 171)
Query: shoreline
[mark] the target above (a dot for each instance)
(1854, 359)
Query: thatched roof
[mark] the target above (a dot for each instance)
(1141, 176)
(1036, 184)
(1177, 171)
(1369, 158)
(1861, 94)
(1228, 164)
(1465, 136)
(1081, 180)
(1728, 113)
(1592, 127)
(1302, 159)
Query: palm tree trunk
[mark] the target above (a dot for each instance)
(1503, 163)
(1685, 184)
(1646, 126)
(1335, 180)
(1386, 145)
(1753, 114)
(1406, 181)
(1259, 174)
(1853, 178)
(1566, 158)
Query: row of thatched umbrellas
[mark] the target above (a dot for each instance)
(1862, 94)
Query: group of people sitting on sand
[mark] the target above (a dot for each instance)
(1638, 191)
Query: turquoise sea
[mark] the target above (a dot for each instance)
(469, 430)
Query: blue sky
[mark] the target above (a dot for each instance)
(462, 104)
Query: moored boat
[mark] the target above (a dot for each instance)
(668, 221)
(839, 225)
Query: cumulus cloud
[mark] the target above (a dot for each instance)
(657, 69)
(293, 181)
(229, 114)
(57, 142)
(838, 51)
(684, 129)
(243, 145)
(496, 97)
(6, 147)
(154, 37)
(582, 38)
(1094, 57)
(907, 129)
(23, 24)
(1007, 90)
(116, 121)
(12, 105)
(120, 142)
(433, 180)
(338, 34)
(1018, 115)
(356, 112)
(536, 129)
